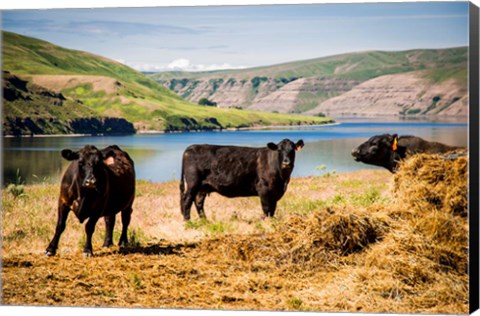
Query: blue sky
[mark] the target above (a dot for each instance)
(216, 37)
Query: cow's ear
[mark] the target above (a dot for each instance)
(70, 155)
(394, 142)
(109, 157)
(272, 146)
(299, 145)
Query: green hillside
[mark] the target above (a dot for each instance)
(358, 66)
(94, 86)
(30, 109)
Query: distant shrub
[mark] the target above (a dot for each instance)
(206, 102)
(181, 82)
(256, 81)
(285, 80)
(414, 111)
(215, 84)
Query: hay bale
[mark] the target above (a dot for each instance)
(311, 243)
(426, 181)
(324, 235)
(352, 233)
(431, 199)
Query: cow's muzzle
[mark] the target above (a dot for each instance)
(89, 183)
(356, 154)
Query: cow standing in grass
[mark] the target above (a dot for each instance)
(97, 183)
(236, 172)
(388, 150)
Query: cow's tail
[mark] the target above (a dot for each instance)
(182, 183)
(182, 189)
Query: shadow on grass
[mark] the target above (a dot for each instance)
(156, 249)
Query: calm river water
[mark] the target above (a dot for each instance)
(158, 157)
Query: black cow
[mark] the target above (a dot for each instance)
(388, 150)
(236, 171)
(97, 183)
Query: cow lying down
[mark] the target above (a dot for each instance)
(97, 183)
(236, 171)
(388, 150)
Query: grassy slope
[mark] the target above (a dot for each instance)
(359, 66)
(46, 112)
(139, 99)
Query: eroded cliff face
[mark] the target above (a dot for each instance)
(283, 95)
(400, 94)
(230, 93)
(302, 94)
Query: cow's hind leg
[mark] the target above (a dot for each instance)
(199, 202)
(109, 225)
(188, 200)
(89, 229)
(63, 211)
(126, 216)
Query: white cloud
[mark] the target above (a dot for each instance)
(183, 64)
(180, 64)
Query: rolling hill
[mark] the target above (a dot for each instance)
(57, 90)
(356, 83)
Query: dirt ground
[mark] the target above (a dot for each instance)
(338, 243)
(59, 82)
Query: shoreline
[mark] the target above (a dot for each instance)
(236, 129)
(55, 181)
(155, 132)
(47, 135)
(336, 121)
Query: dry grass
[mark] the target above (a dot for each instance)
(427, 181)
(59, 82)
(364, 241)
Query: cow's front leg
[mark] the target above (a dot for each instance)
(126, 216)
(109, 226)
(63, 211)
(268, 205)
(89, 229)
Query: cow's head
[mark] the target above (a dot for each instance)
(286, 151)
(379, 150)
(91, 164)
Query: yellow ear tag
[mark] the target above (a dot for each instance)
(298, 148)
(394, 146)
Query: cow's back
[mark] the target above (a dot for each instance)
(228, 170)
(418, 145)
